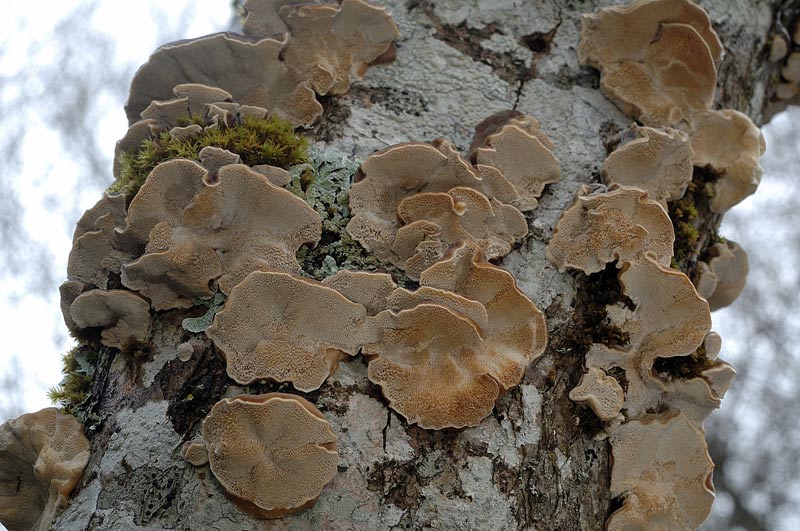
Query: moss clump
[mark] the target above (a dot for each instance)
(270, 140)
(324, 183)
(79, 365)
(690, 216)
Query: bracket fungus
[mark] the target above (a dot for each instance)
(273, 454)
(658, 58)
(658, 61)
(670, 320)
(729, 144)
(279, 327)
(124, 316)
(95, 253)
(722, 277)
(663, 471)
(411, 201)
(42, 457)
(197, 231)
(331, 46)
(275, 72)
(658, 162)
(441, 363)
(603, 226)
(601, 392)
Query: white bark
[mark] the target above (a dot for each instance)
(530, 465)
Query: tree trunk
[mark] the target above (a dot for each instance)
(533, 463)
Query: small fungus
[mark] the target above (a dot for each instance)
(42, 457)
(724, 274)
(195, 453)
(95, 253)
(185, 351)
(124, 316)
(262, 17)
(729, 144)
(601, 392)
(273, 454)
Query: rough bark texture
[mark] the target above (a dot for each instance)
(532, 464)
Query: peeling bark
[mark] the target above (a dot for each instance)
(532, 464)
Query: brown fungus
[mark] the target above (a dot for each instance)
(729, 144)
(441, 360)
(197, 231)
(658, 58)
(42, 457)
(602, 227)
(600, 392)
(273, 454)
(330, 46)
(670, 320)
(663, 471)
(283, 328)
(728, 266)
(95, 253)
(217, 60)
(658, 162)
(123, 316)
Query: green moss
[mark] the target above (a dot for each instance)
(270, 140)
(685, 214)
(324, 183)
(78, 367)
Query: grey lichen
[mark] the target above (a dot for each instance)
(200, 324)
(324, 183)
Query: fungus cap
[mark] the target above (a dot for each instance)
(284, 328)
(124, 316)
(42, 457)
(730, 144)
(363, 287)
(658, 162)
(662, 468)
(273, 454)
(198, 231)
(431, 368)
(601, 392)
(216, 60)
(331, 45)
(620, 224)
(523, 159)
(722, 278)
(620, 33)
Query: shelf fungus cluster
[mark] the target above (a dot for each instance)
(198, 205)
(655, 386)
(412, 201)
(42, 457)
(663, 320)
(658, 61)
